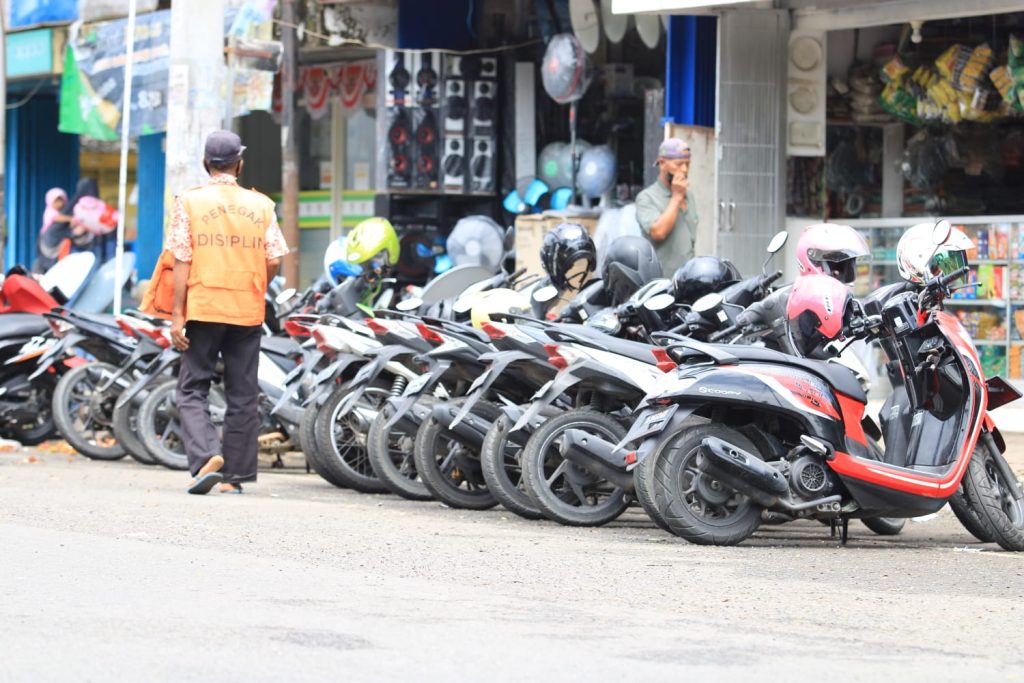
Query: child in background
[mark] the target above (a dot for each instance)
(54, 235)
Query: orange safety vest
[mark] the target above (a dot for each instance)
(227, 282)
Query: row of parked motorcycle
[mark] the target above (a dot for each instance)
(715, 402)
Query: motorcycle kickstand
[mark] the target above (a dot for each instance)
(843, 527)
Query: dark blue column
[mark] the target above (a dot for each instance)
(150, 177)
(690, 68)
(38, 158)
(446, 24)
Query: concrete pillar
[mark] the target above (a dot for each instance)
(195, 105)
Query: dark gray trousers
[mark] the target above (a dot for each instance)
(239, 347)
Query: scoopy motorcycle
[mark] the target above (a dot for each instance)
(711, 483)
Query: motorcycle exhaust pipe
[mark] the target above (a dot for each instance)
(470, 430)
(597, 456)
(740, 470)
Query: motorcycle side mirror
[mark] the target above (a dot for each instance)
(510, 237)
(774, 246)
(707, 303)
(941, 232)
(659, 302)
(284, 296)
(410, 304)
(545, 294)
(463, 304)
(778, 241)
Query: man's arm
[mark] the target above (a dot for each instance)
(181, 271)
(662, 226)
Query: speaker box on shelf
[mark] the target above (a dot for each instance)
(453, 163)
(483, 107)
(481, 164)
(426, 142)
(399, 147)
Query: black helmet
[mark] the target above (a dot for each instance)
(703, 275)
(561, 249)
(629, 264)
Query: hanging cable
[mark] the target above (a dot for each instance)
(27, 98)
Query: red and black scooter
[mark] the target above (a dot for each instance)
(711, 484)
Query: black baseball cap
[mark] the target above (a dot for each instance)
(223, 147)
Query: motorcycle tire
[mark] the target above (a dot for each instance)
(126, 430)
(83, 417)
(884, 526)
(997, 500)
(160, 427)
(685, 509)
(43, 427)
(449, 469)
(341, 442)
(643, 475)
(307, 436)
(565, 492)
(502, 465)
(966, 512)
(393, 456)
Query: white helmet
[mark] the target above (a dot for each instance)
(919, 258)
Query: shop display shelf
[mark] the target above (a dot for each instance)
(994, 303)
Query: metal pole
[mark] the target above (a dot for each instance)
(122, 182)
(3, 130)
(289, 151)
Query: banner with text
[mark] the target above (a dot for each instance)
(92, 86)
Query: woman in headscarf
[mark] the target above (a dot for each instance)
(55, 231)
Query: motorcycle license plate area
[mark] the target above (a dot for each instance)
(416, 386)
(651, 423)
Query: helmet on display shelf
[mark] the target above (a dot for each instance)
(568, 255)
(816, 310)
(629, 264)
(703, 275)
(830, 249)
(919, 257)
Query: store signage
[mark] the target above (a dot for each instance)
(30, 53)
(92, 87)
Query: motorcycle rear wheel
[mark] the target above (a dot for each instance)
(502, 465)
(126, 428)
(160, 426)
(695, 507)
(83, 416)
(307, 437)
(341, 441)
(43, 427)
(448, 468)
(643, 475)
(393, 456)
(568, 493)
(997, 501)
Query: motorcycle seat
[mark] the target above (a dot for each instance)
(839, 376)
(599, 340)
(22, 325)
(282, 346)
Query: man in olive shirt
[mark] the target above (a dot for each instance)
(666, 211)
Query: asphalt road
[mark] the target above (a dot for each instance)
(108, 571)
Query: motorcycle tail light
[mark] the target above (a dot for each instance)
(378, 329)
(295, 329)
(158, 335)
(663, 361)
(631, 458)
(321, 343)
(429, 334)
(127, 329)
(555, 358)
(492, 330)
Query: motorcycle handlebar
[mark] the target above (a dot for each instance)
(732, 329)
(947, 280)
(769, 279)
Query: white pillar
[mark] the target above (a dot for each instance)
(195, 105)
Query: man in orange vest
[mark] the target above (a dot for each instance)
(227, 246)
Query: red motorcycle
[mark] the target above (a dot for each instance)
(820, 457)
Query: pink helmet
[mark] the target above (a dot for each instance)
(830, 249)
(816, 311)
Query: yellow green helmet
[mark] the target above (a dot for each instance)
(374, 238)
(497, 301)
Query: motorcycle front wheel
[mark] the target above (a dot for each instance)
(450, 469)
(996, 494)
(568, 493)
(160, 424)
